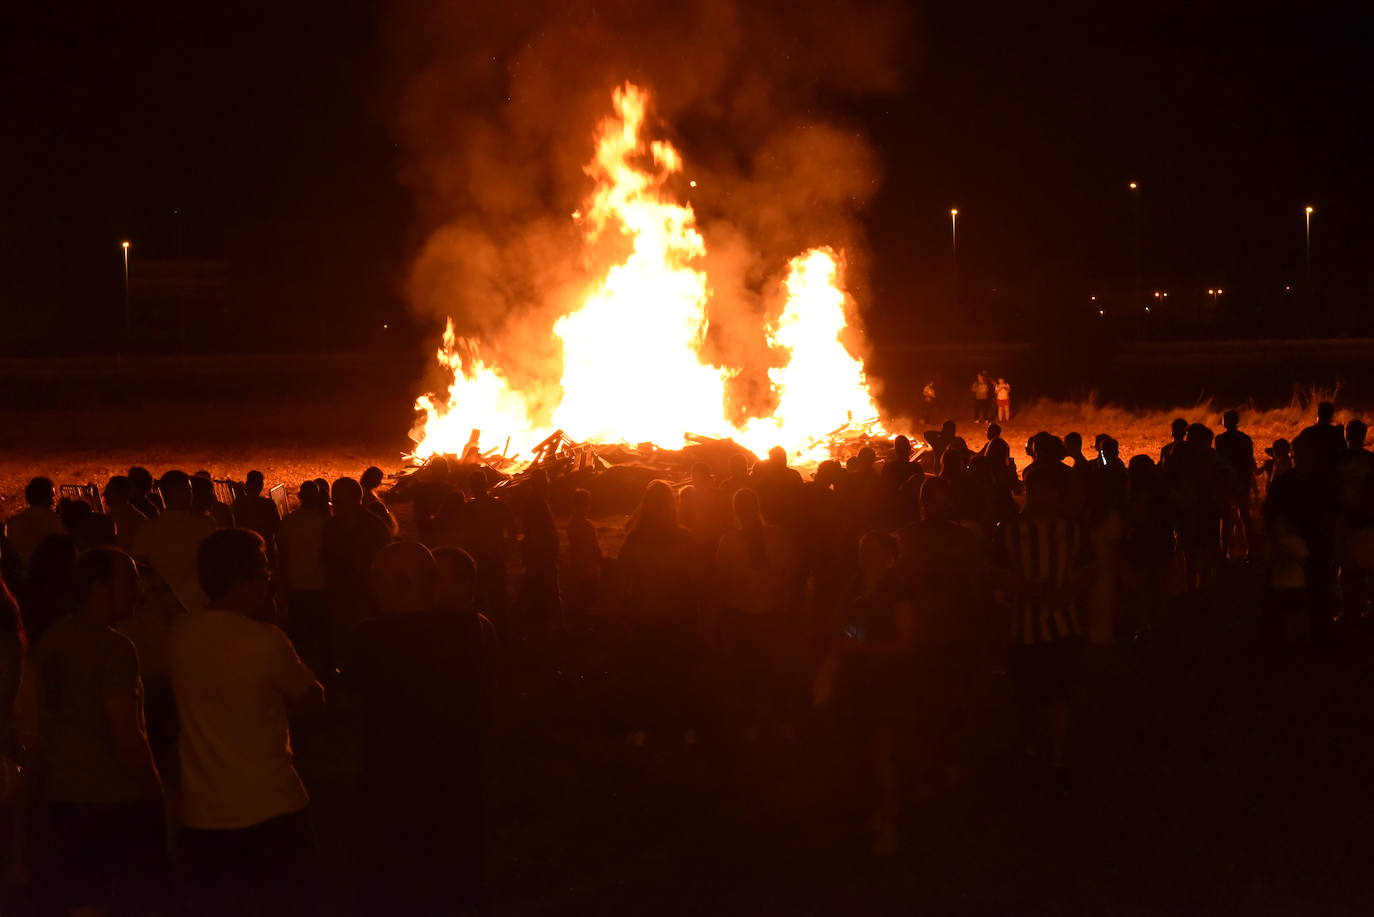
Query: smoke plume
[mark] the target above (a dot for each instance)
(497, 105)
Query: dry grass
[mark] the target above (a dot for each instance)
(1145, 432)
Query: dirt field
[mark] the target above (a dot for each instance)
(296, 417)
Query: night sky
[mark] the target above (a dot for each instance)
(264, 125)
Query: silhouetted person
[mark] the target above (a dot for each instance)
(247, 846)
(46, 595)
(490, 529)
(1073, 450)
(1302, 504)
(738, 467)
(660, 593)
(1108, 453)
(1147, 545)
(302, 573)
(994, 433)
(1202, 482)
(168, 541)
(1354, 534)
(450, 523)
(1177, 429)
(1237, 450)
(254, 511)
(14, 647)
(939, 441)
(778, 487)
(418, 673)
(899, 466)
(758, 587)
(93, 530)
(958, 631)
(584, 556)
(205, 500)
(873, 674)
(372, 479)
(1047, 461)
(704, 509)
(101, 786)
(928, 394)
(1280, 460)
(127, 518)
(36, 521)
(540, 604)
(141, 495)
(1327, 436)
(352, 538)
(1043, 555)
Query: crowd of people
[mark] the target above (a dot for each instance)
(154, 648)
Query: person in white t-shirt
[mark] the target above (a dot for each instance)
(1003, 390)
(25, 530)
(236, 678)
(169, 540)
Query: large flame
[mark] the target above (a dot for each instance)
(822, 387)
(632, 367)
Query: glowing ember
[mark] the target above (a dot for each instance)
(632, 368)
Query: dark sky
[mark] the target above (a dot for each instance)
(263, 124)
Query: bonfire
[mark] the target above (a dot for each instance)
(634, 384)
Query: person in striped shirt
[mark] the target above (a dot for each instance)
(1043, 558)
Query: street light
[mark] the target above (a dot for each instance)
(1307, 232)
(1134, 188)
(1214, 294)
(954, 237)
(128, 325)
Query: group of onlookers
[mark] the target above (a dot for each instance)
(155, 648)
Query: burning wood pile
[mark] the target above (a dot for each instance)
(615, 472)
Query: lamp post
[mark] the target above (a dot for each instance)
(1214, 294)
(954, 238)
(1307, 234)
(128, 324)
(1134, 188)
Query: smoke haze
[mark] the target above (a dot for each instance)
(497, 108)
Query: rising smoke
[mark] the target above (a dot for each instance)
(495, 119)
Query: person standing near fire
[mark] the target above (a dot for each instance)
(1003, 389)
(928, 402)
(980, 391)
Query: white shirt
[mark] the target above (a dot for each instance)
(233, 678)
(27, 528)
(1004, 391)
(168, 542)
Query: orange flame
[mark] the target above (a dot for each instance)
(822, 387)
(632, 368)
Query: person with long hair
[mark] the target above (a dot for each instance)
(758, 589)
(660, 592)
